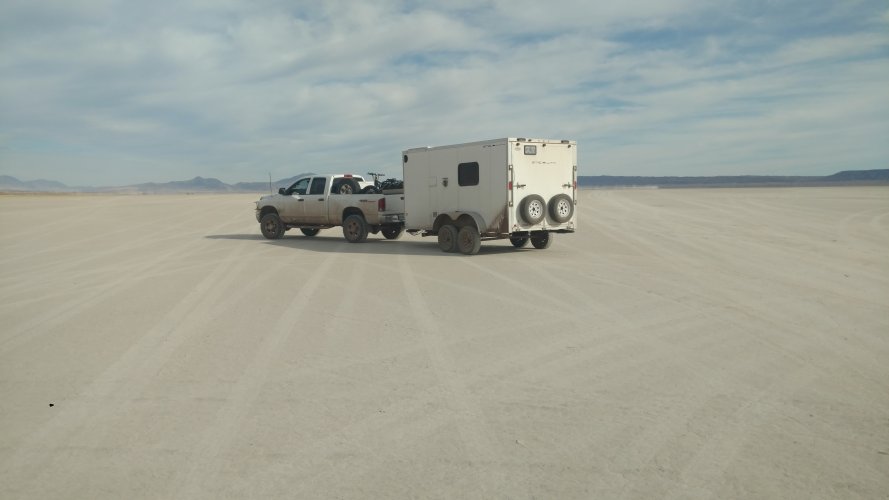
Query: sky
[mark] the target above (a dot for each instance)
(105, 93)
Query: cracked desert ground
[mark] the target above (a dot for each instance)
(696, 343)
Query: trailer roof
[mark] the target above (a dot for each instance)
(496, 141)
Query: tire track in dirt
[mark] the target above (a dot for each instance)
(137, 368)
(206, 460)
(84, 266)
(709, 462)
(467, 414)
(18, 335)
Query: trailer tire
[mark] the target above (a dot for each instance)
(561, 208)
(346, 186)
(271, 226)
(533, 209)
(392, 232)
(518, 241)
(355, 229)
(468, 240)
(309, 231)
(542, 240)
(447, 238)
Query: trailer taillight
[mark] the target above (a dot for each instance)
(509, 186)
(381, 205)
(575, 183)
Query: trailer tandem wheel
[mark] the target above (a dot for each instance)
(542, 240)
(468, 240)
(447, 238)
(518, 241)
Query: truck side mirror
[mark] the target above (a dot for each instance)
(281, 191)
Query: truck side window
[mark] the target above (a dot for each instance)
(467, 174)
(318, 185)
(300, 186)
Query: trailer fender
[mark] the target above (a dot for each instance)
(459, 219)
(469, 219)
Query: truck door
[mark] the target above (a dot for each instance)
(544, 169)
(316, 201)
(293, 206)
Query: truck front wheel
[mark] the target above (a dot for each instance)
(271, 226)
(355, 229)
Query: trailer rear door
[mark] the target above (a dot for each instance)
(547, 169)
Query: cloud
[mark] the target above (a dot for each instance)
(109, 92)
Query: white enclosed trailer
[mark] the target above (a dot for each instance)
(517, 188)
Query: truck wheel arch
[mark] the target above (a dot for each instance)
(352, 211)
(267, 210)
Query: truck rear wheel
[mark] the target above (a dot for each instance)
(309, 231)
(533, 209)
(561, 208)
(447, 238)
(271, 226)
(518, 241)
(355, 229)
(542, 240)
(468, 240)
(392, 232)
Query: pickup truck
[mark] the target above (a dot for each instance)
(317, 202)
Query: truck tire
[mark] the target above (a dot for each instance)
(533, 209)
(392, 232)
(346, 186)
(518, 241)
(271, 226)
(447, 238)
(355, 229)
(561, 208)
(468, 240)
(309, 231)
(542, 240)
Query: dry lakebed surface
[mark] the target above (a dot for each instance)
(687, 343)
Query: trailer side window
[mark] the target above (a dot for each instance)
(467, 174)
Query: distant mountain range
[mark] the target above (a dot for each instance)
(196, 185)
(847, 177)
(211, 185)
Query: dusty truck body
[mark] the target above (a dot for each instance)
(317, 202)
(517, 188)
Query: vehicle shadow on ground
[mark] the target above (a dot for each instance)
(409, 245)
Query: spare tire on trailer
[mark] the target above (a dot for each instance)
(533, 209)
(561, 208)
